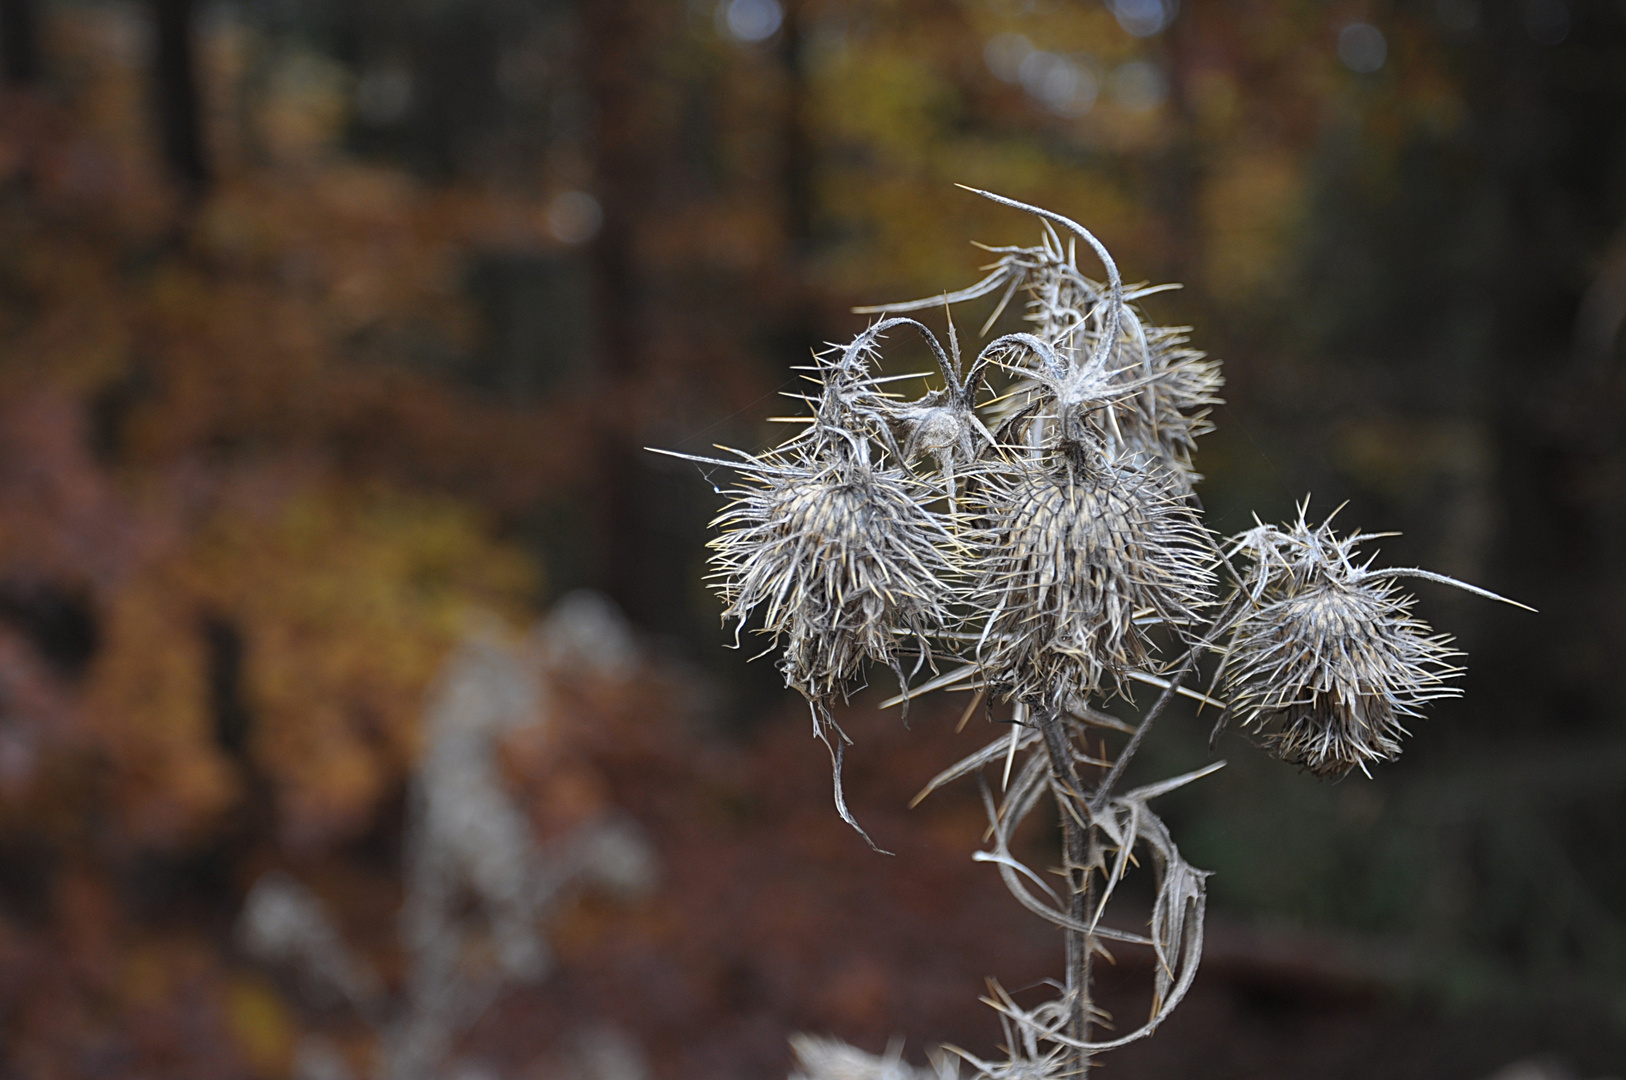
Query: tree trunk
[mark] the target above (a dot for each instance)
(19, 42)
(615, 63)
(176, 94)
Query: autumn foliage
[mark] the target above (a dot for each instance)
(276, 441)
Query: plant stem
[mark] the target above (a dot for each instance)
(1080, 880)
(1104, 791)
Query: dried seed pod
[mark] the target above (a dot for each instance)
(1081, 557)
(843, 561)
(840, 557)
(1330, 660)
(831, 542)
(943, 423)
(1152, 392)
(834, 544)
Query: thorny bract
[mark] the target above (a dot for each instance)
(1042, 547)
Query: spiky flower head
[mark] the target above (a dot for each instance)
(830, 540)
(834, 545)
(1083, 554)
(840, 557)
(1329, 661)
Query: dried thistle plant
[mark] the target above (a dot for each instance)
(1042, 548)
(835, 542)
(477, 881)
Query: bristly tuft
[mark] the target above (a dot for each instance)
(833, 541)
(842, 558)
(1329, 661)
(1081, 557)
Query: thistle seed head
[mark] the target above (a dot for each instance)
(1081, 558)
(1150, 394)
(943, 423)
(939, 425)
(843, 560)
(1060, 298)
(1330, 660)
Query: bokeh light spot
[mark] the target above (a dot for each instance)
(1063, 85)
(1143, 18)
(1004, 54)
(751, 20)
(574, 217)
(1362, 48)
(1139, 85)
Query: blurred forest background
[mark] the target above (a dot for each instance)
(330, 335)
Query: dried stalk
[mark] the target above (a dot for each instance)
(1077, 837)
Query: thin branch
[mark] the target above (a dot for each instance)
(1104, 791)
